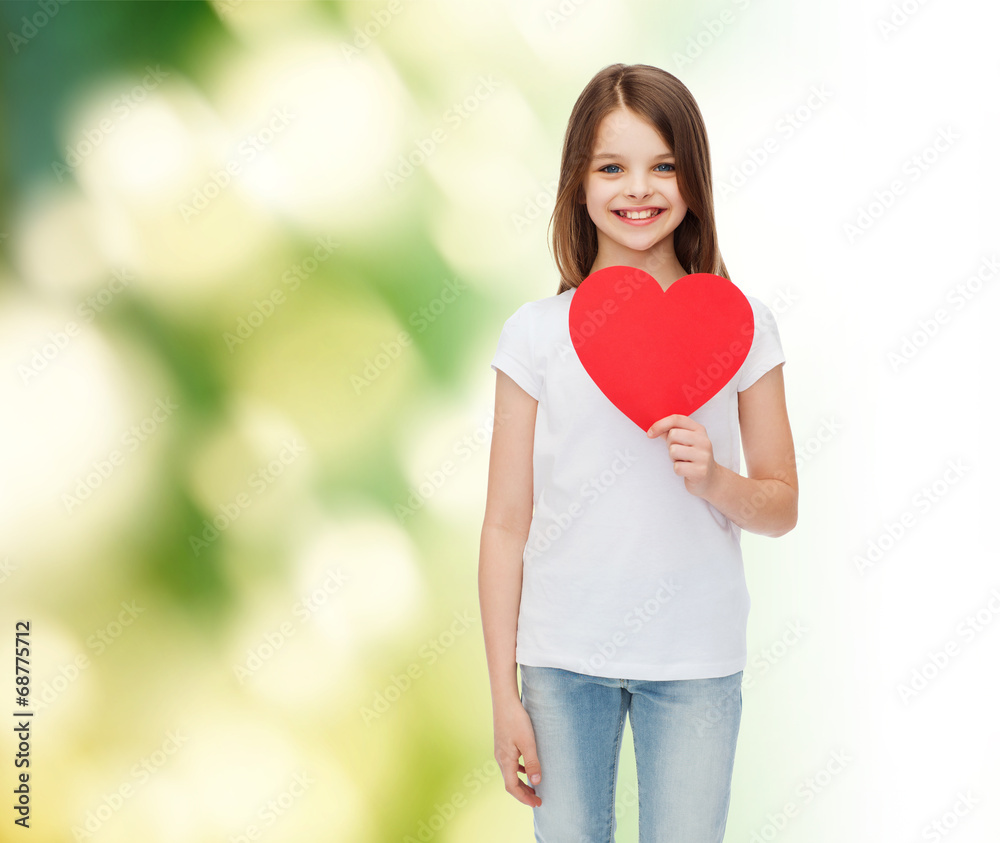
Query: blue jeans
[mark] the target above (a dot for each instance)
(684, 733)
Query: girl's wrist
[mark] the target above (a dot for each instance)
(714, 479)
(505, 703)
(503, 688)
(505, 695)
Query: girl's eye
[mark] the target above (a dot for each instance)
(664, 164)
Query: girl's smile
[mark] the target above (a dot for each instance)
(638, 216)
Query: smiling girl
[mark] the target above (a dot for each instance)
(610, 565)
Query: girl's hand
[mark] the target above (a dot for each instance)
(691, 450)
(513, 737)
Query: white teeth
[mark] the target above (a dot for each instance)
(639, 215)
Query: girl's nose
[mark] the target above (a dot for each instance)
(638, 190)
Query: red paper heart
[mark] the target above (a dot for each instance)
(654, 352)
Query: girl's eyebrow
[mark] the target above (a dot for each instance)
(619, 156)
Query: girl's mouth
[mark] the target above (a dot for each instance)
(638, 217)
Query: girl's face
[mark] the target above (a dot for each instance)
(632, 167)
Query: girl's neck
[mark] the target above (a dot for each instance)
(660, 260)
(665, 271)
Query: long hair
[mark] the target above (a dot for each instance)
(662, 100)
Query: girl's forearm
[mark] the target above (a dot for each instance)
(500, 571)
(768, 506)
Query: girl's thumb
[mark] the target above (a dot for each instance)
(532, 768)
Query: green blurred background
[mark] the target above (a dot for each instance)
(255, 261)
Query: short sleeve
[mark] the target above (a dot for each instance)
(765, 350)
(514, 352)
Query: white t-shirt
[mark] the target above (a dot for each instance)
(626, 573)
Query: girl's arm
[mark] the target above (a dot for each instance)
(505, 530)
(767, 500)
(506, 523)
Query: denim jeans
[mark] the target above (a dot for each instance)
(684, 733)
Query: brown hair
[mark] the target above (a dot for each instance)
(662, 100)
